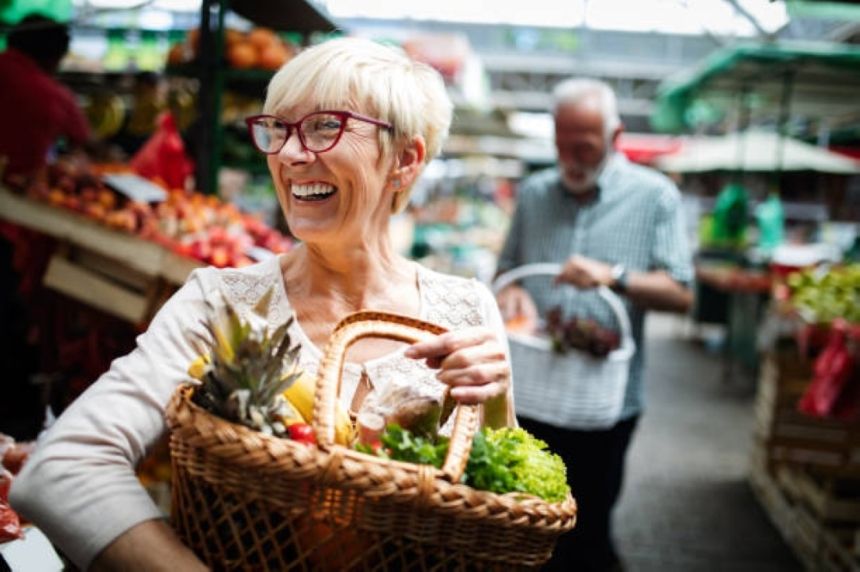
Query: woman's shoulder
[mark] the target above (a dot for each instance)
(452, 301)
(244, 287)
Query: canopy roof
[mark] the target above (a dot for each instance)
(754, 151)
(823, 81)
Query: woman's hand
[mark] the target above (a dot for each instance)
(471, 361)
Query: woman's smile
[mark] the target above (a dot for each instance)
(312, 192)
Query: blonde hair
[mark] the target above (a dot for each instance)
(367, 77)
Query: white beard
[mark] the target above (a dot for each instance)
(591, 175)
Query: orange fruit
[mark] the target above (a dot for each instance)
(242, 55)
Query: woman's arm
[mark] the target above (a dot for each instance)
(151, 546)
(79, 486)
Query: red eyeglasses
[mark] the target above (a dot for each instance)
(318, 131)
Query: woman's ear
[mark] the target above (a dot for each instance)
(410, 161)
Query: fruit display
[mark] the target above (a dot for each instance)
(258, 48)
(191, 224)
(821, 295)
(13, 455)
(580, 333)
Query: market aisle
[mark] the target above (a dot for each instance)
(686, 503)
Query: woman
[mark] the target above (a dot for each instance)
(339, 177)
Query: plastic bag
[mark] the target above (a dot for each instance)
(163, 155)
(771, 223)
(730, 215)
(833, 391)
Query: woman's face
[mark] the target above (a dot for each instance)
(337, 196)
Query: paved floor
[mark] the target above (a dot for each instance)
(686, 503)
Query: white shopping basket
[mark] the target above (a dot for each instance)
(572, 389)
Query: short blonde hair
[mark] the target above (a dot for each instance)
(367, 77)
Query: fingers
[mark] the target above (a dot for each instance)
(471, 361)
(448, 343)
(487, 380)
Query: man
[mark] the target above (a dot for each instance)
(35, 109)
(608, 222)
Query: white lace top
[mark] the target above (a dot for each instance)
(80, 488)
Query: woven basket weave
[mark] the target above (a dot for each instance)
(571, 389)
(243, 500)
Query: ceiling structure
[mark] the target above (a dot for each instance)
(523, 64)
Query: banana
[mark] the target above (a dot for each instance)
(198, 366)
(301, 396)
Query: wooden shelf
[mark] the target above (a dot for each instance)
(148, 258)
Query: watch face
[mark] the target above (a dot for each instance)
(619, 277)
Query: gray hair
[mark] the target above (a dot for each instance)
(578, 90)
(377, 80)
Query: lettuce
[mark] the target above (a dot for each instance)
(512, 460)
(506, 460)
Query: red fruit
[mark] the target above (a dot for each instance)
(15, 457)
(303, 433)
(5, 483)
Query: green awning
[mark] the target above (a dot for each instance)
(13, 11)
(823, 81)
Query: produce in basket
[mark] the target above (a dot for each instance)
(251, 376)
(505, 460)
(580, 333)
(250, 501)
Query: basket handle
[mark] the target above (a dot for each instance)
(554, 269)
(368, 324)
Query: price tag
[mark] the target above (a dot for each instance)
(135, 187)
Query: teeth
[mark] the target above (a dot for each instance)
(312, 189)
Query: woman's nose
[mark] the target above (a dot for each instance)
(293, 150)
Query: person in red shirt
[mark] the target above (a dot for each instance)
(35, 109)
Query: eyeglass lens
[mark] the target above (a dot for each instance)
(318, 131)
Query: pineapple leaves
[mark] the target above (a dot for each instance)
(245, 378)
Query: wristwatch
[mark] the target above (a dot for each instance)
(619, 278)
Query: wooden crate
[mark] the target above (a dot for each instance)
(835, 555)
(819, 525)
(118, 273)
(781, 511)
(789, 436)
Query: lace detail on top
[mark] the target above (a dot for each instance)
(245, 289)
(449, 301)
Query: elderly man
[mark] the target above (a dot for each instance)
(608, 222)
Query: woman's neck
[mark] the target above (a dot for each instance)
(356, 277)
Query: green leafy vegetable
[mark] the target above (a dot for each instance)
(502, 460)
(510, 459)
(401, 445)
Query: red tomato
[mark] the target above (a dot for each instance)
(303, 433)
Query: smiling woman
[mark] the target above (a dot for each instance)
(349, 126)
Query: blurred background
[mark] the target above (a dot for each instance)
(750, 106)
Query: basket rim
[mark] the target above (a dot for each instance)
(627, 347)
(181, 398)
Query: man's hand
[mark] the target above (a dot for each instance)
(654, 289)
(585, 273)
(515, 303)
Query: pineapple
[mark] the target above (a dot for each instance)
(248, 369)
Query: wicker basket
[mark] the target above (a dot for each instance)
(243, 500)
(571, 389)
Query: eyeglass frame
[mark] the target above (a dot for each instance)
(296, 127)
